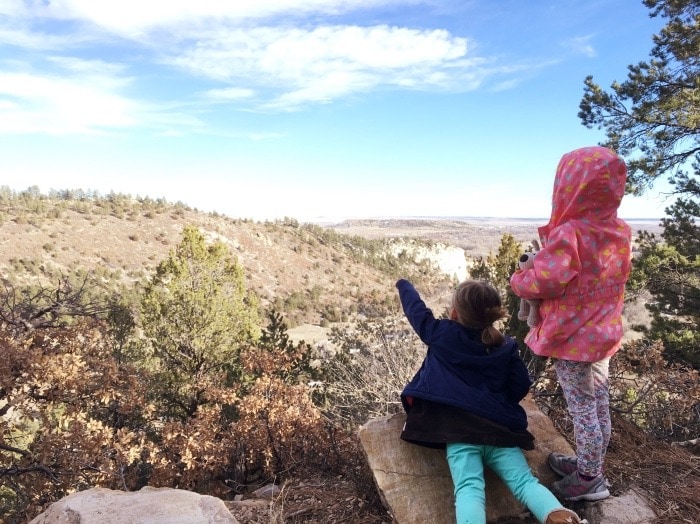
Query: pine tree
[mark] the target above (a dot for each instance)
(197, 317)
(653, 120)
(497, 270)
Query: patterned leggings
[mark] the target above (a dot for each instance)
(586, 390)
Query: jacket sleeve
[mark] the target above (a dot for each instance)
(418, 314)
(555, 266)
(518, 378)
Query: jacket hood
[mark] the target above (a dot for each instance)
(589, 185)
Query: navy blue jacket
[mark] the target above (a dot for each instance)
(459, 370)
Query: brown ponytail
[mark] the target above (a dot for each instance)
(477, 304)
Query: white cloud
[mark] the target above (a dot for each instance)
(27, 39)
(59, 105)
(271, 67)
(12, 8)
(581, 45)
(62, 95)
(229, 93)
(292, 54)
(133, 17)
(324, 63)
(90, 67)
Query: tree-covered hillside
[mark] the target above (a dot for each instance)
(312, 273)
(146, 343)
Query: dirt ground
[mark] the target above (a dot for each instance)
(313, 501)
(668, 475)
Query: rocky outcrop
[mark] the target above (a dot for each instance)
(146, 506)
(415, 484)
(450, 260)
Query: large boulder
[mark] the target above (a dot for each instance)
(415, 484)
(414, 481)
(146, 506)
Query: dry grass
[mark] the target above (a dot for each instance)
(669, 476)
(479, 237)
(312, 501)
(278, 260)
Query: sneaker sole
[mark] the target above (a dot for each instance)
(590, 497)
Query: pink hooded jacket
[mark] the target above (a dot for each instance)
(585, 260)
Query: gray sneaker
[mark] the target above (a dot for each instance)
(573, 487)
(561, 464)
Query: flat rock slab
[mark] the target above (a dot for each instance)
(146, 506)
(630, 507)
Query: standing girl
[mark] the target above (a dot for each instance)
(580, 275)
(465, 398)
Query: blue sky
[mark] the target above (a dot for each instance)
(311, 108)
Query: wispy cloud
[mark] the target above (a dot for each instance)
(240, 49)
(229, 93)
(324, 63)
(582, 45)
(134, 17)
(66, 95)
(36, 103)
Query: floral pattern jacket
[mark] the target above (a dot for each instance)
(585, 260)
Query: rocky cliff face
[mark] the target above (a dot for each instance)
(450, 260)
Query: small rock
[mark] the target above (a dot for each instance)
(630, 507)
(267, 492)
(146, 506)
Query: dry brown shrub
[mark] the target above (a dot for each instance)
(80, 419)
(661, 398)
(64, 403)
(281, 426)
(669, 476)
(194, 454)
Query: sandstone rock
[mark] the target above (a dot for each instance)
(415, 482)
(630, 507)
(146, 506)
(450, 260)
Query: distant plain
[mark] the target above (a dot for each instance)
(478, 236)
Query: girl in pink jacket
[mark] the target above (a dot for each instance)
(580, 275)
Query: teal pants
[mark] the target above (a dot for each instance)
(466, 463)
